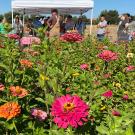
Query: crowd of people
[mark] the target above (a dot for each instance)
(125, 28)
(57, 25)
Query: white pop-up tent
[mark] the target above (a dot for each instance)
(45, 6)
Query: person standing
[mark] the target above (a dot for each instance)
(80, 26)
(54, 24)
(17, 26)
(2, 28)
(101, 28)
(69, 23)
(122, 32)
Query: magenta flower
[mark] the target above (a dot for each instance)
(71, 37)
(108, 94)
(130, 68)
(125, 97)
(38, 114)
(115, 113)
(13, 36)
(69, 111)
(84, 66)
(108, 56)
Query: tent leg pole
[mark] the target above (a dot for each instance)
(12, 17)
(91, 21)
(23, 20)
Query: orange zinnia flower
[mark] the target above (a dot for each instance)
(10, 110)
(18, 91)
(26, 63)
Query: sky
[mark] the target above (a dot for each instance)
(122, 6)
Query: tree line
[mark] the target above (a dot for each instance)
(112, 16)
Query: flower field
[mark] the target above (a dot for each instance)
(72, 86)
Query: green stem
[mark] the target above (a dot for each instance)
(15, 128)
(23, 77)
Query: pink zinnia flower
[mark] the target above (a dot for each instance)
(71, 37)
(69, 111)
(107, 55)
(39, 114)
(2, 87)
(125, 97)
(115, 113)
(84, 66)
(13, 36)
(108, 94)
(130, 68)
(108, 75)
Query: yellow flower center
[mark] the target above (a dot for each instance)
(18, 90)
(68, 106)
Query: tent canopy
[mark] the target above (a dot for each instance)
(45, 6)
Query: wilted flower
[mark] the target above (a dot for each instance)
(18, 91)
(115, 113)
(108, 94)
(39, 114)
(2, 87)
(71, 37)
(130, 68)
(130, 55)
(26, 63)
(84, 66)
(10, 110)
(13, 36)
(107, 55)
(69, 111)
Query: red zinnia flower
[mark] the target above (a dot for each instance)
(2, 87)
(69, 111)
(107, 55)
(84, 66)
(13, 36)
(71, 37)
(108, 94)
(115, 113)
(130, 68)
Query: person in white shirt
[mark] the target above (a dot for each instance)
(101, 28)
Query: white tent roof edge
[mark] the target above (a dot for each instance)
(44, 6)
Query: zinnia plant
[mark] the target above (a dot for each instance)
(13, 36)
(69, 111)
(108, 56)
(10, 110)
(108, 94)
(39, 114)
(26, 63)
(84, 66)
(18, 91)
(71, 37)
(2, 87)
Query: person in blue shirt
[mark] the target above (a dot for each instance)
(37, 23)
(80, 26)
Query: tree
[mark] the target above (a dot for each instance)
(1, 16)
(8, 16)
(111, 16)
